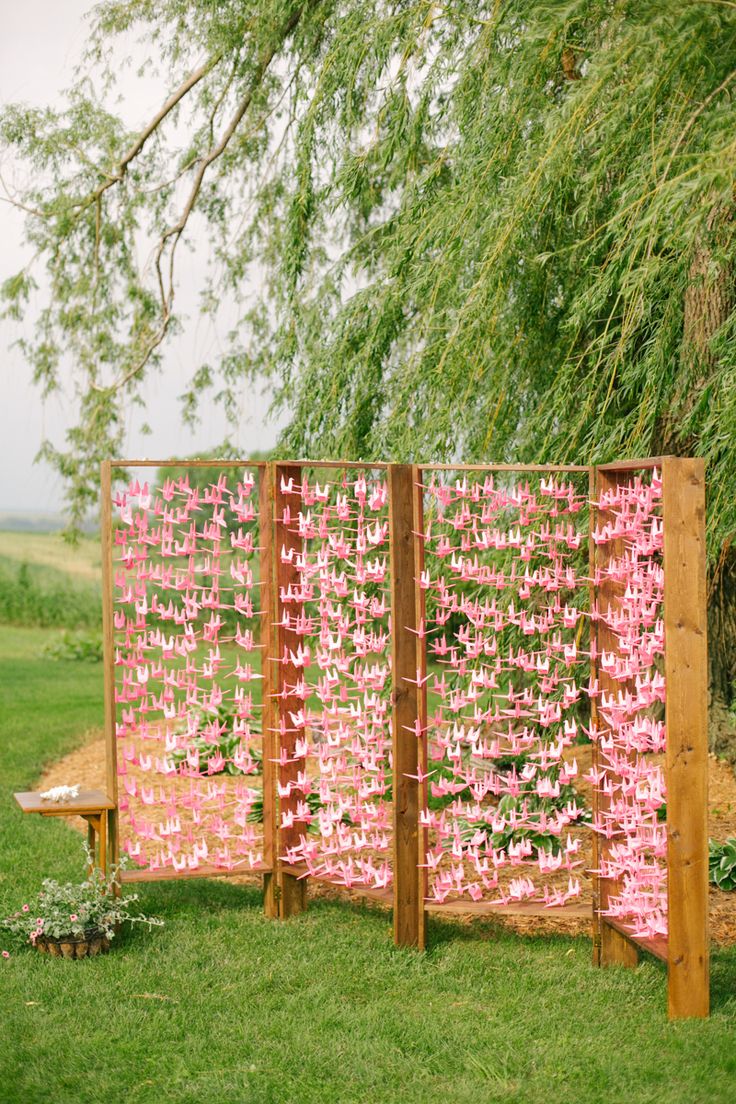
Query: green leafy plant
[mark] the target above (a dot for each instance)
(77, 910)
(722, 863)
(314, 803)
(80, 646)
(226, 745)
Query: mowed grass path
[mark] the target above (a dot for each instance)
(224, 1006)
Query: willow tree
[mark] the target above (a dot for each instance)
(450, 229)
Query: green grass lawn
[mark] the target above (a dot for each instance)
(223, 1006)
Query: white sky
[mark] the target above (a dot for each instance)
(40, 42)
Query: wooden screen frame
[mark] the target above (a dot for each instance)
(686, 950)
(107, 468)
(291, 881)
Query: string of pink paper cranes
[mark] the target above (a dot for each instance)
(506, 633)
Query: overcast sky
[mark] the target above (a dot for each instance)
(40, 41)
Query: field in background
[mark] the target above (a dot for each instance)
(46, 581)
(50, 550)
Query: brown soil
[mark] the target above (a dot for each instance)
(86, 766)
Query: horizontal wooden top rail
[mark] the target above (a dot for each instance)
(634, 465)
(505, 467)
(364, 465)
(174, 463)
(381, 465)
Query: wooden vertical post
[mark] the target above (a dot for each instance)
(409, 911)
(686, 713)
(291, 890)
(421, 653)
(594, 717)
(108, 651)
(610, 947)
(269, 712)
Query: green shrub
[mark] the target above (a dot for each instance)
(80, 645)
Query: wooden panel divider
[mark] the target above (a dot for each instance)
(108, 664)
(686, 710)
(409, 912)
(269, 711)
(686, 948)
(291, 890)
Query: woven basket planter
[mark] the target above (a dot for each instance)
(74, 946)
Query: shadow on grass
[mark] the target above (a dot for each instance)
(348, 908)
(722, 978)
(442, 931)
(198, 894)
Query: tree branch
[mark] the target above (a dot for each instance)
(174, 232)
(176, 97)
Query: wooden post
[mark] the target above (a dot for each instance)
(291, 890)
(686, 712)
(594, 717)
(610, 947)
(108, 651)
(269, 712)
(421, 653)
(408, 757)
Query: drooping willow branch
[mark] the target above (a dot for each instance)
(175, 98)
(166, 282)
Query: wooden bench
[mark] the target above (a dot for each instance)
(92, 805)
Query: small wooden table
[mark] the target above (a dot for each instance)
(92, 805)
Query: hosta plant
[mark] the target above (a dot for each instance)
(218, 747)
(722, 863)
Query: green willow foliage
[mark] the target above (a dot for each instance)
(472, 227)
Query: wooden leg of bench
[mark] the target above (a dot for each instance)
(90, 845)
(103, 842)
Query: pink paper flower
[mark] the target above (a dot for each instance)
(73, 916)
(6, 954)
(26, 908)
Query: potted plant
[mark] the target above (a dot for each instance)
(76, 920)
